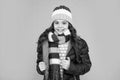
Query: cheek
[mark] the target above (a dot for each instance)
(55, 26)
(66, 26)
(62, 26)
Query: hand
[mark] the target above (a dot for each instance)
(42, 66)
(65, 63)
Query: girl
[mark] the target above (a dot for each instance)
(62, 54)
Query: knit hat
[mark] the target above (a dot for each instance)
(62, 14)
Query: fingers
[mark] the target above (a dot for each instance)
(42, 66)
(65, 63)
(67, 60)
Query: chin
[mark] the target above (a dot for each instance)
(60, 32)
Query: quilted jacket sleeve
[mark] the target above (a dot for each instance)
(39, 58)
(84, 65)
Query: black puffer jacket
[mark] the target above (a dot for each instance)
(80, 61)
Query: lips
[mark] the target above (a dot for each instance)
(60, 30)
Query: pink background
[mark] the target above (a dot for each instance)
(22, 21)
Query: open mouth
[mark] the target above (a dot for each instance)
(60, 30)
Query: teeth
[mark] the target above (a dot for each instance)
(60, 29)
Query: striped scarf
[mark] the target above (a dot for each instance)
(57, 51)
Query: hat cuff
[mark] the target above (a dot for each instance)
(62, 17)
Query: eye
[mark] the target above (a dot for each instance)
(64, 22)
(56, 22)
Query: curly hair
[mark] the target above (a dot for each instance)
(76, 41)
(44, 35)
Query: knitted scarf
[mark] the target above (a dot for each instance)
(54, 58)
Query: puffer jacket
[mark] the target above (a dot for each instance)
(80, 62)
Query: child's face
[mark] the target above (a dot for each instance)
(60, 26)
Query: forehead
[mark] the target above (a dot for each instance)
(61, 20)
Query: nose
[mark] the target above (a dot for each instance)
(60, 26)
